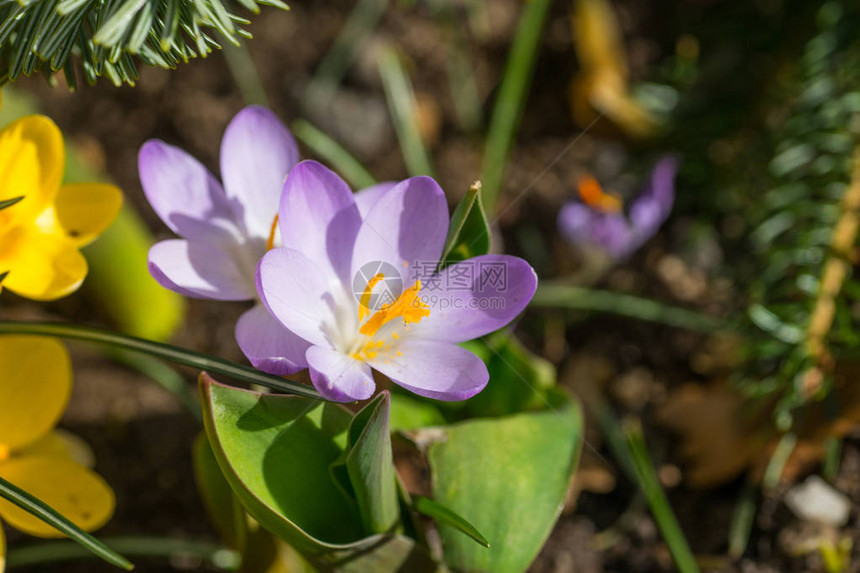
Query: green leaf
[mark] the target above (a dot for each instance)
(225, 511)
(469, 232)
(370, 465)
(276, 451)
(9, 202)
(40, 509)
(519, 380)
(508, 477)
(442, 514)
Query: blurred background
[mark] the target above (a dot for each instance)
(615, 86)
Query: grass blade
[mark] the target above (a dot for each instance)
(159, 350)
(401, 104)
(512, 96)
(9, 202)
(62, 551)
(578, 298)
(40, 509)
(333, 153)
(660, 508)
(439, 512)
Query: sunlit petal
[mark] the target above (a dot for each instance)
(85, 210)
(77, 493)
(41, 266)
(37, 381)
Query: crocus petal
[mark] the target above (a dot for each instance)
(406, 226)
(31, 143)
(319, 218)
(42, 266)
(475, 297)
(268, 344)
(433, 369)
(85, 210)
(257, 153)
(651, 209)
(201, 270)
(60, 443)
(187, 196)
(339, 377)
(367, 198)
(297, 292)
(583, 226)
(37, 382)
(20, 177)
(75, 492)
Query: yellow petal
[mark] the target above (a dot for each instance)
(85, 210)
(79, 494)
(63, 444)
(597, 37)
(41, 266)
(32, 159)
(35, 388)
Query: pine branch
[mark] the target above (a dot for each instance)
(108, 37)
(806, 223)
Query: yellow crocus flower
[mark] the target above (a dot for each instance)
(48, 463)
(602, 84)
(40, 235)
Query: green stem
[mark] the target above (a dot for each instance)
(511, 100)
(41, 510)
(167, 352)
(245, 73)
(60, 551)
(578, 298)
(660, 508)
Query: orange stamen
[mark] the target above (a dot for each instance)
(270, 243)
(592, 195)
(408, 306)
(363, 308)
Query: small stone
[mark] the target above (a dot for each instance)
(816, 500)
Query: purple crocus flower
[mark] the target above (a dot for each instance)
(341, 251)
(225, 229)
(599, 221)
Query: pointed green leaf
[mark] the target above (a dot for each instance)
(276, 451)
(46, 513)
(370, 465)
(9, 202)
(442, 514)
(469, 232)
(508, 477)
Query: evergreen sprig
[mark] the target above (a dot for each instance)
(803, 299)
(108, 37)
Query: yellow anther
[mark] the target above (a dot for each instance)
(364, 302)
(408, 306)
(592, 195)
(270, 243)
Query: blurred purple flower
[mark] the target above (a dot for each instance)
(225, 229)
(340, 251)
(609, 229)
